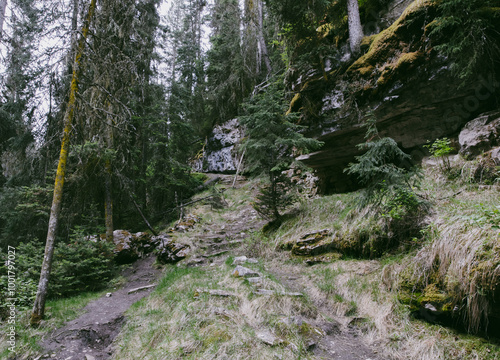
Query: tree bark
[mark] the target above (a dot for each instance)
(108, 182)
(3, 7)
(41, 295)
(262, 41)
(355, 29)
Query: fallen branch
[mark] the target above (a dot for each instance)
(131, 291)
(142, 215)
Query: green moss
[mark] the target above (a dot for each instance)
(408, 60)
(324, 30)
(384, 44)
(366, 71)
(432, 295)
(367, 41)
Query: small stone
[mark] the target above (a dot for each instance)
(243, 259)
(268, 338)
(239, 260)
(89, 357)
(430, 307)
(264, 292)
(254, 280)
(109, 294)
(214, 292)
(242, 271)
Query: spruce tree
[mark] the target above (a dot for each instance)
(273, 140)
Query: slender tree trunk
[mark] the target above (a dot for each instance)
(109, 178)
(3, 7)
(108, 206)
(355, 29)
(41, 295)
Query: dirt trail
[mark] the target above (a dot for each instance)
(89, 337)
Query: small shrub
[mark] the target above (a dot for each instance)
(390, 181)
(440, 149)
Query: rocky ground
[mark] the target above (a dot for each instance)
(327, 336)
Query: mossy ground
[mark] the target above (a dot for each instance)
(367, 294)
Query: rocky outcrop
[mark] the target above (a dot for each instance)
(169, 251)
(480, 135)
(219, 155)
(131, 246)
(406, 84)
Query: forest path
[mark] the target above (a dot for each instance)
(89, 337)
(340, 336)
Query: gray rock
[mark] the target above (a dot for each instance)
(268, 338)
(264, 292)
(243, 259)
(255, 280)
(215, 292)
(220, 154)
(242, 271)
(480, 135)
(170, 251)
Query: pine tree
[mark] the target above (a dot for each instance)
(273, 141)
(227, 79)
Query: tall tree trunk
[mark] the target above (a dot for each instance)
(108, 180)
(3, 7)
(262, 41)
(41, 295)
(355, 29)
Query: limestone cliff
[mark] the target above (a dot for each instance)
(402, 78)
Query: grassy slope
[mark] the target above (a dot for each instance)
(179, 321)
(174, 323)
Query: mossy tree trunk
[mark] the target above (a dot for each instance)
(41, 295)
(355, 29)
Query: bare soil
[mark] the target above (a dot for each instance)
(90, 336)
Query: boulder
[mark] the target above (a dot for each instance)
(268, 338)
(318, 242)
(480, 135)
(170, 251)
(129, 246)
(219, 155)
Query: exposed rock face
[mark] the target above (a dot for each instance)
(170, 251)
(220, 153)
(480, 134)
(129, 247)
(405, 82)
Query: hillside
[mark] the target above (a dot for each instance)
(250, 179)
(292, 304)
